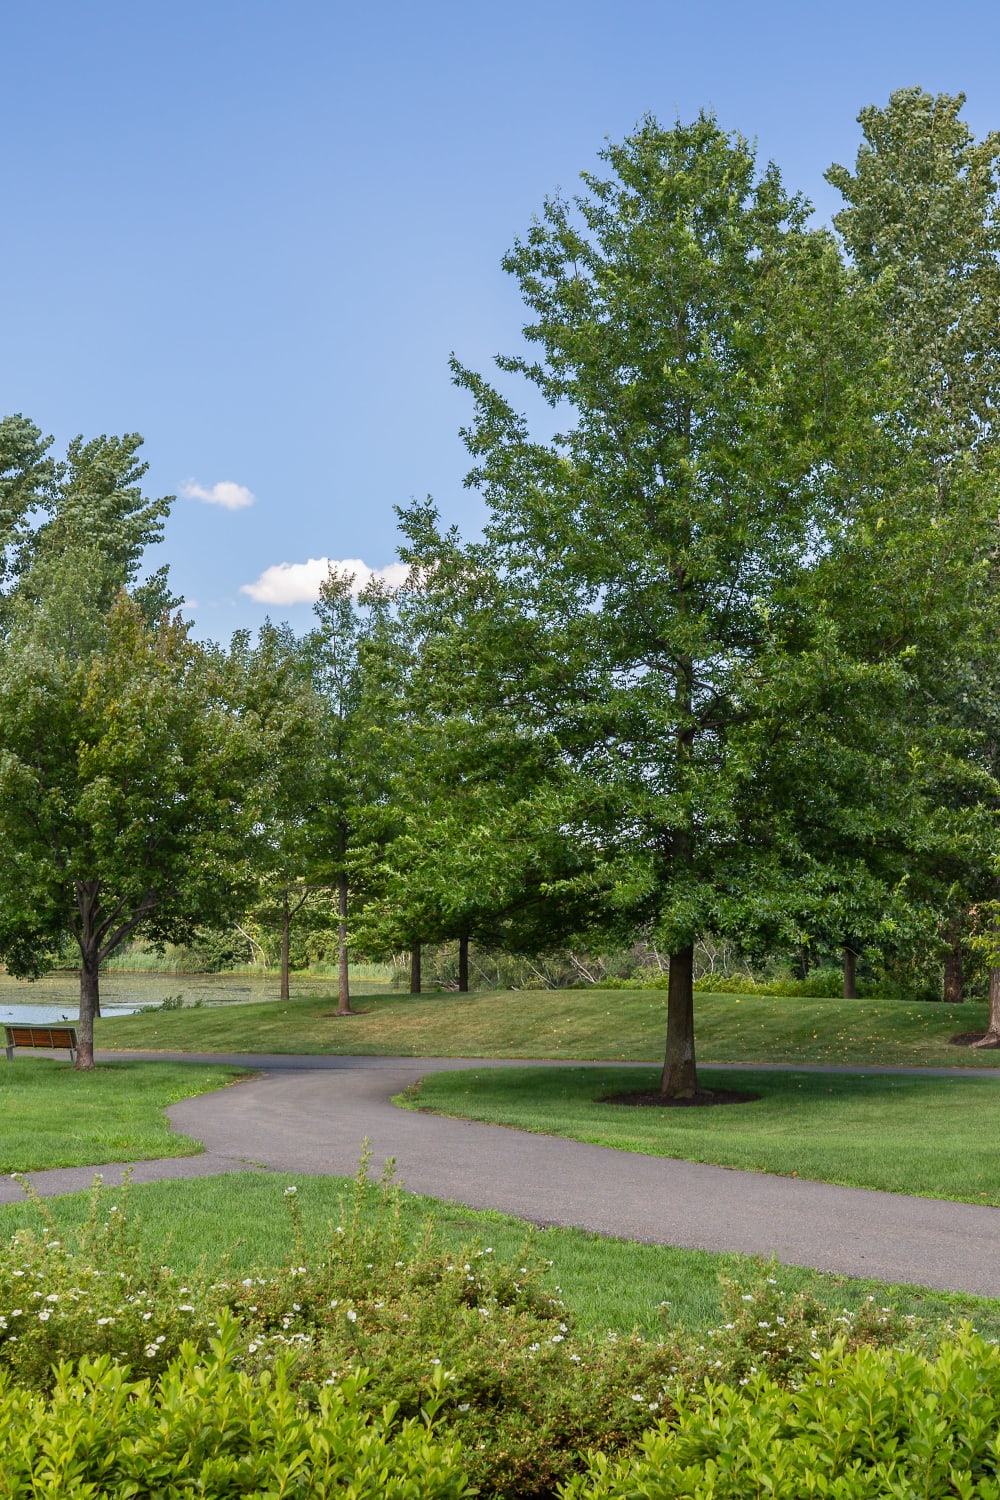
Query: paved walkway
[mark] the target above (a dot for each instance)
(309, 1115)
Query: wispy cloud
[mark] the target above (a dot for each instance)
(227, 494)
(299, 583)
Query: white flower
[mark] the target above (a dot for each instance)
(290, 1191)
(102, 1321)
(352, 1317)
(44, 1315)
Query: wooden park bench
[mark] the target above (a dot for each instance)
(49, 1037)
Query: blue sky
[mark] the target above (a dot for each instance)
(254, 231)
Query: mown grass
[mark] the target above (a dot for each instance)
(53, 1116)
(933, 1137)
(604, 1025)
(233, 1225)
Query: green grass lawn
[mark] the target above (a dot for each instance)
(233, 1225)
(935, 1137)
(605, 1025)
(53, 1116)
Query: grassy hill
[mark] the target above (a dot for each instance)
(606, 1025)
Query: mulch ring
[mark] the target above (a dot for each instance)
(969, 1039)
(704, 1097)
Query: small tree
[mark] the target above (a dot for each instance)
(354, 657)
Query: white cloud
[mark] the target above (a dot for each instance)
(299, 583)
(227, 494)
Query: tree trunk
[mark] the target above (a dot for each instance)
(415, 969)
(286, 925)
(954, 981)
(680, 1075)
(463, 964)
(343, 984)
(90, 1006)
(992, 1037)
(850, 973)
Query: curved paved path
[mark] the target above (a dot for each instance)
(309, 1115)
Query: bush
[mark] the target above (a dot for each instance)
(765, 1331)
(207, 1428)
(486, 1346)
(100, 1295)
(819, 984)
(866, 1423)
(487, 1349)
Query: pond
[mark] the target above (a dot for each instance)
(57, 996)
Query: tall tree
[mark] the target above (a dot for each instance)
(702, 348)
(921, 223)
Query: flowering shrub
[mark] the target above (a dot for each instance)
(484, 1349)
(763, 1330)
(97, 1295)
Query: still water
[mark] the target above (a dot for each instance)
(57, 996)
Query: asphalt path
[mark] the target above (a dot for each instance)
(310, 1115)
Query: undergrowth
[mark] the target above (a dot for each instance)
(483, 1347)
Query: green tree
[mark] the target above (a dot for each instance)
(709, 365)
(482, 848)
(921, 223)
(134, 763)
(349, 816)
(130, 792)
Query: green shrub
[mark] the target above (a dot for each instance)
(206, 1428)
(765, 1331)
(866, 1423)
(98, 1294)
(819, 984)
(486, 1348)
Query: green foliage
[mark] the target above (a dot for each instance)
(821, 983)
(871, 1422)
(205, 1427)
(478, 1345)
(766, 1330)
